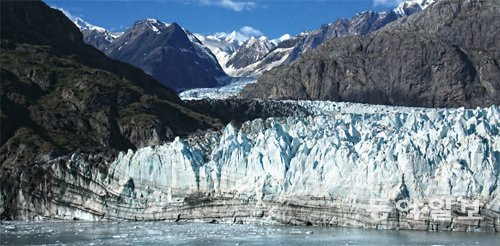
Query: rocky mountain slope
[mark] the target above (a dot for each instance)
(96, 36)
(239, 55)
(343, 165)
(170, 54)
(237, 111)
(446, 56)
(291, 48)
(66, 110)
(59, 94)
(100, 39)
(236, 51)
(251, 51)
(251, 56)
(222, 46)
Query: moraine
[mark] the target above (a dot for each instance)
(342, 165)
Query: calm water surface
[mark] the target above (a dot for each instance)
(163, 233)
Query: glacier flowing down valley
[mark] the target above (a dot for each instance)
(338, 166)
(231, 89)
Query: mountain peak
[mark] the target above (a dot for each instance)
(94, 35)
(57, 60)
(168, 52)
(152, 20)
(263, 38)
(412, 6)
(447, 54)
(80, 23)
(153, 24)
(236, 36)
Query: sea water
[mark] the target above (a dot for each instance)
(169, 233)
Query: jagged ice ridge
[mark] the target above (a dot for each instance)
(321, 169)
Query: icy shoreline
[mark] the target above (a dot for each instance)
(323, 169)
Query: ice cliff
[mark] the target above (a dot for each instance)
(338, 166)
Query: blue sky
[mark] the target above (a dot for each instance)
(272, 18)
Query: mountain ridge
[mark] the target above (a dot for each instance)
(169, 53)
(239, 61)
(158, 48)
(292, 48)
(59, 94)
(431, 59)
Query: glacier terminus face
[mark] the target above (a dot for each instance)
(343, 165)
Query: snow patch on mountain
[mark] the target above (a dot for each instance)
(403, 7)
(221, 46)
(257, 68)
(202, 50)
(80, 23)
(85, 26)
(360, 24)
(227, 46)
(154, 24)
(281, 39)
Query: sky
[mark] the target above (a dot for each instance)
(271, 18)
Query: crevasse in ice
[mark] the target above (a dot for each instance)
(351, 151)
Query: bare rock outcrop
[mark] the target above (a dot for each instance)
(445, 56)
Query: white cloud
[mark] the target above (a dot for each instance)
(65, 12)
(387, 2)
(250, 31)
(230, 4)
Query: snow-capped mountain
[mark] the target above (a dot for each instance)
(246, 56)
(235, 50)
(171, 54)
(222, 45)
(233, 37)
(243, 56)
(80, 23)
(418, 61)
(96, 36)
(290, 48)
(252, 60)
(409, 7)
(253, 50)
(99, 39)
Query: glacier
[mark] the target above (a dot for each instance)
(229, 89)
(344, 164)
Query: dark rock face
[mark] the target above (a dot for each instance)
(168, 53)
(445, 56)
(241, 110)
(59, 94)
(100, 40)
(361, 24)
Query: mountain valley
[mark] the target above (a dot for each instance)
(337, 126)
